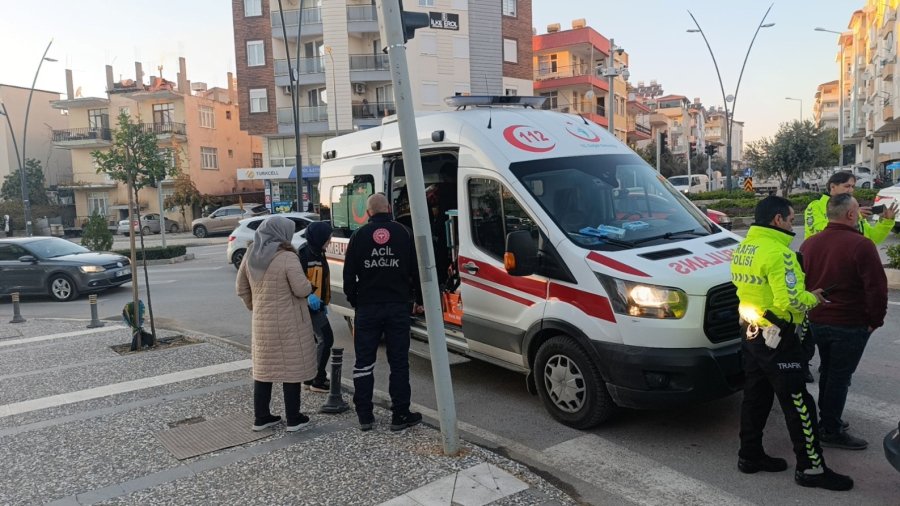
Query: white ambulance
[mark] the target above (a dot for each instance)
(616, 290)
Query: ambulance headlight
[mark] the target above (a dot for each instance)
(644, 300)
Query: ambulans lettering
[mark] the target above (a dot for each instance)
(691, 264)
(335, 248)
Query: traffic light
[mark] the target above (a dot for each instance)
(693, 149)
(711, 150)
(664, 142)
(870, 141)
(412, 21)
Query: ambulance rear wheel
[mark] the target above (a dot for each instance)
(569, 384)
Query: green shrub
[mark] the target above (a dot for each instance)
(865, 195)
(96, 235)
(893, 254)
(157, 252)
(721, 194)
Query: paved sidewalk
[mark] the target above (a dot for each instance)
(82, 424)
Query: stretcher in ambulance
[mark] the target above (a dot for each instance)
(560, 254)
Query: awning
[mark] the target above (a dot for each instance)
(277, 173)
(893, 166)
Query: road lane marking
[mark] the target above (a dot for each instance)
(17, 408)
(893, 303)
(49, 337)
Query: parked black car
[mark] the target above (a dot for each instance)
(60, 268)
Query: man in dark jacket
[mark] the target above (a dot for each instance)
(380, 277)
(315, 265)
(846, 263)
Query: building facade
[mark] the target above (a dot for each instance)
(198, 126)
(42, 120)
(825, 106)
(343, 77)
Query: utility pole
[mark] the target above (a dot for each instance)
(394, 30)
(658, 148)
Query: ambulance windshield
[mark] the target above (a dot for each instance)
(611, 201)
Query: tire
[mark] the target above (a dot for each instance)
(561, 362)
(237, 257)
(173, 228)
(200, 231)
(62, 288)
(146, 231)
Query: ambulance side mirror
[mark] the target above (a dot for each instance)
(521, 254)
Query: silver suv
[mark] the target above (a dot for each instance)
(224, 219)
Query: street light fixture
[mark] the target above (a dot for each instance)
(801, 105)
(26, 203)
(611, 71)
(840, 93)
(729, 115)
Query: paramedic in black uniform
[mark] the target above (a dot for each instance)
(380, 279)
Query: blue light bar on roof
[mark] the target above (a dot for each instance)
(491, 100)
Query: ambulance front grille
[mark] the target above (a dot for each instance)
(721, 320)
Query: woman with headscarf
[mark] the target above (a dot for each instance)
(272, 285)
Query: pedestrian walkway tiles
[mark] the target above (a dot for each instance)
(208, 436)
(50, 337)
(475, 486)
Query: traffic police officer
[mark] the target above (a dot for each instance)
(815, 218)
(773, 305)
(380, 276)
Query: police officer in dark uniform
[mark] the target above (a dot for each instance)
(380, 278)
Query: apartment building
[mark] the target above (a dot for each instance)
(716, 133)
(343, 75)
(568, 71)
(197, 125)
(42, 120)
(825, 106)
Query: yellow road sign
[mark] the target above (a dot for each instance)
(748, 184)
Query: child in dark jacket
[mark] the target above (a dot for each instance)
(315, 265)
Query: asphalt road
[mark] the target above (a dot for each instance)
(641, 457)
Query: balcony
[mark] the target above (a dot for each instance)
(90, 137)
(311, 19)
(659, 119)
(556, 76)
(370, 114)
(638, 131)
(369, 67)
(313, 120)
(311, 71)
(888, 113)
(362, 19)
(597, 114)
(887, 72)
(165, 130)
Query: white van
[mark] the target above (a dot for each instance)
(698, 183)
(621, 292)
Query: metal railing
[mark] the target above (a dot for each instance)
(373, 110)
(637, 127)
(82, 134)
(307, 66)
(362, 13)
(311, 16)
(308, 114)
(164, 128)
(369, 62)
(562, 71)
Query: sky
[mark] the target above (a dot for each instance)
(787, 60)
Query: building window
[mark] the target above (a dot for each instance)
(282, 152)
(252, 8)
(230, 153)
(164, 114)
(256, 53)
(209, 158)
(98, 203)
(461, 47)
(430, 93)
(257, 160)
(510, 51)
(548, 64)
(98, 118)
(509, 8)
(259, 100)
(168, 194)
(426, 3)
(510, 92)
(552, 100)
(227, 114)
(427, 44)
(207, 117)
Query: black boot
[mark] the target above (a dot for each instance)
(829, 480)
(766, 463)
(262, 397)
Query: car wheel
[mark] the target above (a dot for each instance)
(200, 231)
(237, 257)
(145, 231)
(173, 228)
(569, 384)
(62, 288)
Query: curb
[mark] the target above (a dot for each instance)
(893, 277)
(166, 261)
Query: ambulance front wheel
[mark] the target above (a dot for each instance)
(570, 385)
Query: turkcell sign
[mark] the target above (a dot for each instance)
(444, 20)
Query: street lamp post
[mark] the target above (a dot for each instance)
(26, 202)
(841, 91)
(729, 115)
(295, 95)
(611, 72)
(801, 105)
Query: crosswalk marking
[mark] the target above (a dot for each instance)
(50, 337)
(17, 408)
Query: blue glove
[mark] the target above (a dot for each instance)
(314, 302)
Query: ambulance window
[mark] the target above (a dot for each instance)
(348, 205)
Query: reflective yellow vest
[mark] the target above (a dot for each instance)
(769, 277)
(815, 220)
